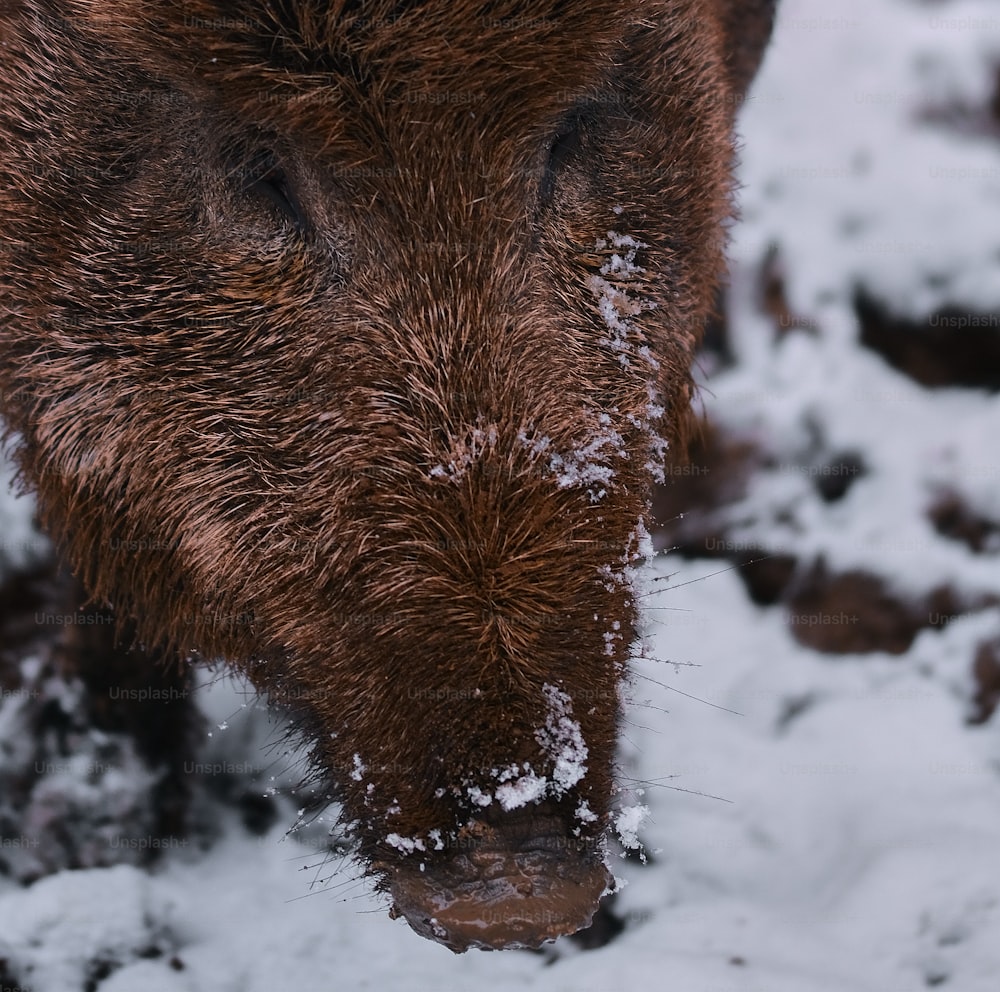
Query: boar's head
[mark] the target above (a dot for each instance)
(343, 340)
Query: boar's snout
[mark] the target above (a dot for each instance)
(516, 879)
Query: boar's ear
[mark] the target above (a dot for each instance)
(746, 28)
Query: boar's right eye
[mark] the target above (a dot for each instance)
(565, 144)
(265, 179)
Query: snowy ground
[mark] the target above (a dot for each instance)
(840, 828)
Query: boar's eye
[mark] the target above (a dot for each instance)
(264, 178)
(564, 145)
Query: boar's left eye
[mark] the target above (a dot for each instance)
(265, 178)
(565, 144)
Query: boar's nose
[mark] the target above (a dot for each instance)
(512, 880)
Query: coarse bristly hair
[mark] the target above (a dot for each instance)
(342, 341)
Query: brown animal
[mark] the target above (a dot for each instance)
(343, 340)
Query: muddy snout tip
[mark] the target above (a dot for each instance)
(493, 899)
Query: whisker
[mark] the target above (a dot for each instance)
(647, 705)
(701, 578)
(663, 685)
(641, 726)
(327, 891)
(625, 737)
(657, 784)
(664, 661)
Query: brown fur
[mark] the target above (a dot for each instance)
(297, 317)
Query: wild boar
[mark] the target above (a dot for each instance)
(369, 323)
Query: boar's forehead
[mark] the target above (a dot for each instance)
(294, 58)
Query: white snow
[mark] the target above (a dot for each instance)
(405, 844)
(54, 931)
(358, 770)
(562, 740)
(528, 788)
(616, 298)
(628, 821)
(587, 465)
(850, 847)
